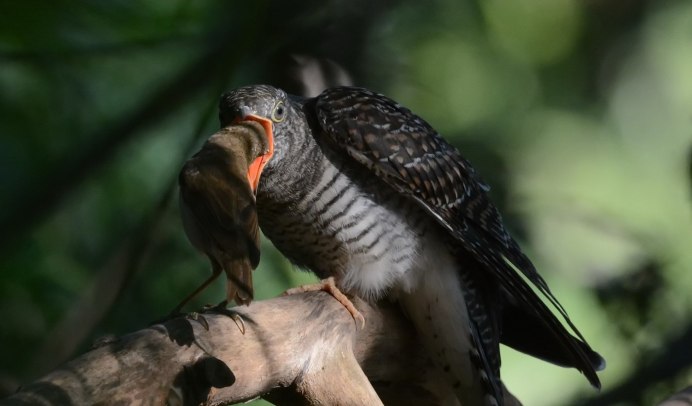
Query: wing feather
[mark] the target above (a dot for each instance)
(411, 157)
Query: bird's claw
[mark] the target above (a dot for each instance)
(329, 285)
(176, 313)
(221, 308)
(359, 317)
(199, 318)
(239, 323)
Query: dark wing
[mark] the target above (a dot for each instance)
(409, 155)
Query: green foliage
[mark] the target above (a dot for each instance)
(578, 113)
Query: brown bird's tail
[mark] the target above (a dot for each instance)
(238, 280)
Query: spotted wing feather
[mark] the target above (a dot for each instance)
(410, 156)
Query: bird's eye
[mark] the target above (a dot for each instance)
(279, 112)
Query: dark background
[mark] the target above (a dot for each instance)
(577, 112)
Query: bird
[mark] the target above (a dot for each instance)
(218, 207)
(362, 190)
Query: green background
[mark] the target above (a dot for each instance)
(578, 113)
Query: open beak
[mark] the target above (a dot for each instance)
(257, 165)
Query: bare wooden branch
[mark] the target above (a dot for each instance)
(682, 398)
(295, 349)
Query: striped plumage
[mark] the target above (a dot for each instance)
(362, 189)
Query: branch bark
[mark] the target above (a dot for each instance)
(298, 349)
(682, 398)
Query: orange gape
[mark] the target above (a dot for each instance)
(256, 167)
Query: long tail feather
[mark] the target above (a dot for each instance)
(506, 273)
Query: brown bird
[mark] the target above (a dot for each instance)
(217, 201)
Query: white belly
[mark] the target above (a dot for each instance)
(386, 258)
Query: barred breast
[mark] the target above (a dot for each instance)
(343, 223)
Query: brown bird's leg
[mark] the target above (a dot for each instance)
(219, 308)
(215, 272)
(328, 285)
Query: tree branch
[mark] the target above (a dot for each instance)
(682, 398)
(295, 349)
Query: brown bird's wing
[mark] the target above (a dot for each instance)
(406, 153)
(225, 220)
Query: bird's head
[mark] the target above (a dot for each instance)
(267, 105)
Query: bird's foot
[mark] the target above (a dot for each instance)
(176, 313)
(199, 316)
(221, 308)
(328, 285)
